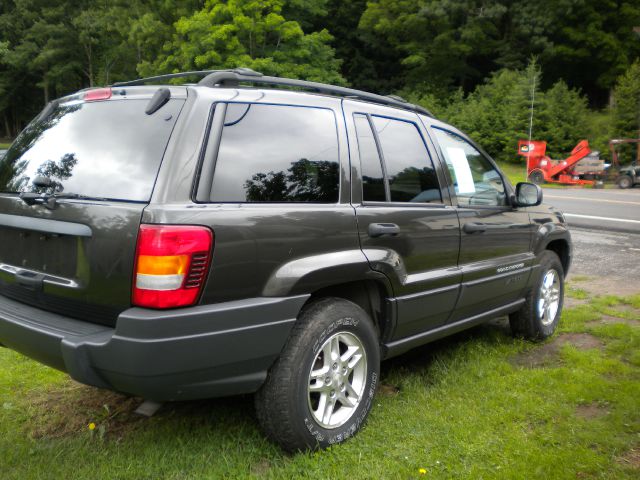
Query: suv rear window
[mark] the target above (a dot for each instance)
(109, 149)
(277, 153)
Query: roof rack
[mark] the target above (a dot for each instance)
(168, 76)
(230, 78)
(233, 77)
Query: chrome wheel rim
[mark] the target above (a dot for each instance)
(549, 297)
(337, 379)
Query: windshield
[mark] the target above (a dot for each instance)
(106, 149)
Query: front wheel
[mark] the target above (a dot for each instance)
(320, 391)
(538, 317)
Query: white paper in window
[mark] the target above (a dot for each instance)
(460, 164)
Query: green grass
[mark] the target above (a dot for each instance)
(515, 173)
(4, 146)
(465, 408)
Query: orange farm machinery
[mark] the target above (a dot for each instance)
(582, 167)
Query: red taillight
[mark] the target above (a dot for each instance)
(171, 265)
(97, 94)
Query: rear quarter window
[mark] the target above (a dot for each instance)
(277, 153)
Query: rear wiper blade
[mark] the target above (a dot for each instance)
(49, 200)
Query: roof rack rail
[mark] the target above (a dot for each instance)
(231, 78)
(168, 76)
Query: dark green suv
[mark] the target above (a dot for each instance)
(229, 237)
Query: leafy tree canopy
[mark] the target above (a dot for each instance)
(248, 33)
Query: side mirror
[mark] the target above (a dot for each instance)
(527, 195)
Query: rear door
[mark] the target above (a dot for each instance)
(75, 256)
(407, 227)
(495, 257)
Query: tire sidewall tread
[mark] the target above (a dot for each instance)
(526, 322)
(281, 403)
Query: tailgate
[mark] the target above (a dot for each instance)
(76, 261)
(74, 254)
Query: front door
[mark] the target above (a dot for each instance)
(408, 229)
(495, 258)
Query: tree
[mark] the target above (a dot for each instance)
(497, 113)
(587, 43)
(248, 33)
(441, 42)
(626, 113)
(627, 103)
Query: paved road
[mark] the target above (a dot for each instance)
(610, 209)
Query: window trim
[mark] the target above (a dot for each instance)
(388, 201)
(383, 166)
(452, 191)
(209, 151)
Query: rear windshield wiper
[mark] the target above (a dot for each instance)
(49, 200)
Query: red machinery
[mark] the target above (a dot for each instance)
(570, 171)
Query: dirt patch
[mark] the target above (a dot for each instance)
(631, 458)
(591, 411)
(609, 286)
(582, 341)
(609, 320)
(387, 390)
(68, 410)
(261, 468)
(628, 309)
(547, 354)
(570, 302)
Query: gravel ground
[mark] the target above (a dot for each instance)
(610, 260)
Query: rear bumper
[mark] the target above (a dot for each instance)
(197, 352)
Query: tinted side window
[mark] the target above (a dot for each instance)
(277, 153)
(475, 180)
(412, 177)
(372, 176)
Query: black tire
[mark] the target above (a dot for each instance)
(624, 181)
(529, 322)
(537, 177)
(284, 404)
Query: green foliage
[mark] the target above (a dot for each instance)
(588, 43)
(248, 33)
(463, 59)
(625, 122)
(561, 119)
(441, 42)
(627, 96)
(497, 113)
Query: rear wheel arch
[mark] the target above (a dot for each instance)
(370, 295)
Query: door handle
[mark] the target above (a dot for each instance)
(29, 280)
(379, 229)
(474, 227)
